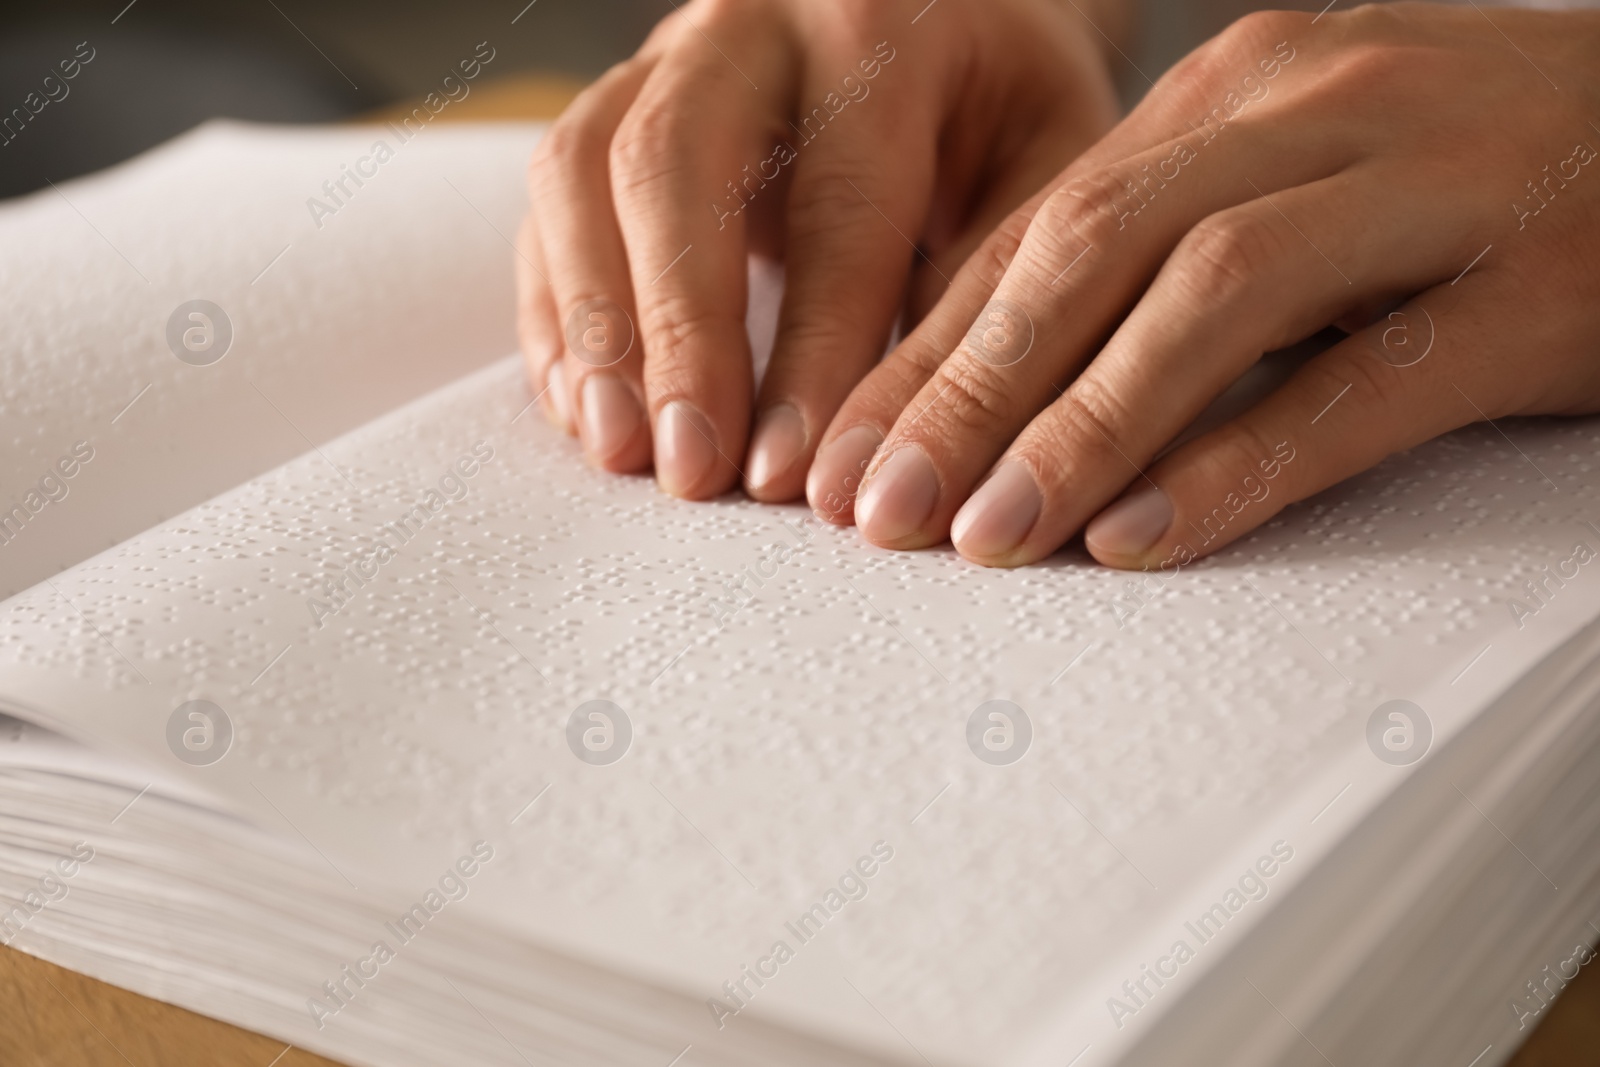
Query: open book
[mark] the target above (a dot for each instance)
(345, 703)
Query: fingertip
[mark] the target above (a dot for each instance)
(557, 407)
(776, 448)
(612, 423)
(1123, 534)
(993, 525)
(898, 500)
(687, 454)
(836, 473)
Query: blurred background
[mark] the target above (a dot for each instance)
(162, 66)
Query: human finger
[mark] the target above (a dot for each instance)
(1134, 194)
(862, 183)
(586, 265)
(538, 325)
(1088, 254)
(1371, 395)
(687, 255)
(1247, 280)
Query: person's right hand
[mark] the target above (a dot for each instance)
(871, 144)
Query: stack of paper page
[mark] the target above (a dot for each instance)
(381, 724)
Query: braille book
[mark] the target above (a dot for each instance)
(345, 703)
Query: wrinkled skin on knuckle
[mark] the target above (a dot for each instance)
(1222, 261)
(1230, 455)
(1397, 86)
(569, 138)
(990, 260)
(676, 332)
(1070, 441)
(1259, 32)
(972, 400)
(556, 155)
(654, 141)
(1083, 211)
(1375, 384)
(823, 201)
(1216, 67)
(1102, 400)
(850, 25)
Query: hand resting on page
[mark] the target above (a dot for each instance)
(1424, 177)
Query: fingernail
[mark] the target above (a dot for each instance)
(684, 448)
(837, 471)
(1131, 525)
(555, 393)
(996, 518)
(611, 415)
(779, 439)
(900, 496)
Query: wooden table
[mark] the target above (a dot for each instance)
(51, 1017)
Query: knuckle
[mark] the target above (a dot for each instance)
(646, 144)
(702, 11)
(1238, 451)
(1241, 45)
(1378, 71)
(1379, 19)
(1102, 413)
(557, 153)
(823, 200)
(1078, 433)
(1373, 383)
(715, 12)
(969, 395)
(1086, 208)
(1223, 259)
(993, 257)
(861, 23)
(661, 35)
(578, 138)
(1263, 29)
(911, 364)
(679, 333)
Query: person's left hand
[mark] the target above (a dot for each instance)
(1294, 173)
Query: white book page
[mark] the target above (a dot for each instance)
(119, 410)
(775, 742)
